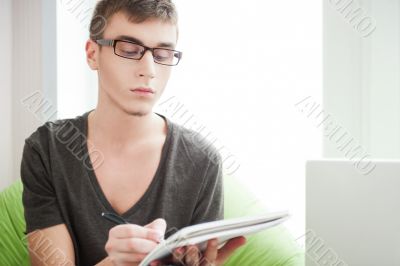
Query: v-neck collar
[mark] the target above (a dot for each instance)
(92, 175)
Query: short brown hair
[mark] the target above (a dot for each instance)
(137, 11)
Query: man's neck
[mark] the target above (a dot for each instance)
(116, 127)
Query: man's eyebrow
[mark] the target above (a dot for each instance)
(135, 40)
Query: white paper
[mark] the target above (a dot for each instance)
(223, 230)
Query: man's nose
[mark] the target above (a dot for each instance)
(147, 65)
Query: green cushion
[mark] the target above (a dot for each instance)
(13, 246)
(272, 247)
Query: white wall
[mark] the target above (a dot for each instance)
(384, 79)
(26, 72)
(6, 154)
(27, 29)
(74, 75)
(362, 77)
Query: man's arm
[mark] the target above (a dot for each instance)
(126, 244)
(51, 246)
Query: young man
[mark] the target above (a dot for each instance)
(122, 158)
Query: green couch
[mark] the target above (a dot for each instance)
(272, 247)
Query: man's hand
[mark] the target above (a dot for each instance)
(191, 256)
(129, 244)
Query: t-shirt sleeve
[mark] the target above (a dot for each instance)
(210, 205)
(41, 209)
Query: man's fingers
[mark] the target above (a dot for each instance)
(155, 263)
(178, 255)
(211, 253)
(136, 245)
(135, 231)
(128, 257)
(192, 256)
(176, 258)
(158, 225)
(230, 247)
(212, 256)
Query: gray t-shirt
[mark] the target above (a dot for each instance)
(60, 186)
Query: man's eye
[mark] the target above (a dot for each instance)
(128, 49)
(163, 55)
(130, 52)
(161, 58)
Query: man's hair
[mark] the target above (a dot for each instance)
(137, 11)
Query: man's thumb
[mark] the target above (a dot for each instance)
(158, 224)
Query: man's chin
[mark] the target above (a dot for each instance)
(138, 112)
(137, 109)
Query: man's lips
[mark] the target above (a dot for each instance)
(142, 90)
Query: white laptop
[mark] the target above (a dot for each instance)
(352, 218)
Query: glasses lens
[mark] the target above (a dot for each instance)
(129, 50)
(165, 56)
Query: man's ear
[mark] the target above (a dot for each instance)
(92, 54)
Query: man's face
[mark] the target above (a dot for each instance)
(118, 76)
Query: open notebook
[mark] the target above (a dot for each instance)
(224, 230)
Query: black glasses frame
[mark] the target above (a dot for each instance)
(113, 43)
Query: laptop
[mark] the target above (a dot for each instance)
(352, 217)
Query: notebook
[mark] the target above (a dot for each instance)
(223, 230)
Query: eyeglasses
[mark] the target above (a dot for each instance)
(131, 50)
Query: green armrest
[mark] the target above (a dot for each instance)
(13, 245)
(272, 247)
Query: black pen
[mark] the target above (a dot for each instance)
(112, 217)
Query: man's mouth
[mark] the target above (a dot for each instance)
(143, 91)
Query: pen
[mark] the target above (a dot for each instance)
(114, 218)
